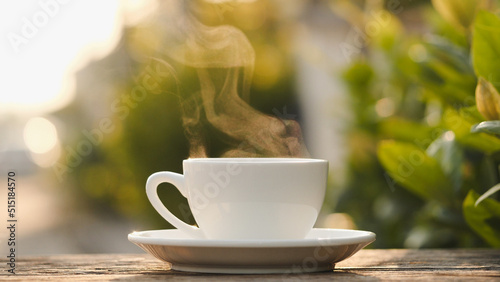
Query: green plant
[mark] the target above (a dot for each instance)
(424, 100)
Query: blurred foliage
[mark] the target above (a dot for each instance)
(421, 152)
(149, 136)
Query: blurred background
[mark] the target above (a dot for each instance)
(384, 90)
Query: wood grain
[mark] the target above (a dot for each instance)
(409, 265)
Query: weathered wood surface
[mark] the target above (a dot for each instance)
(366, 265)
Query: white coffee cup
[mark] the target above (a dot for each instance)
(246, 198)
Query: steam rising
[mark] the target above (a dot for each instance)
(222, 55)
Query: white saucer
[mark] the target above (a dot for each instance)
(319, 251)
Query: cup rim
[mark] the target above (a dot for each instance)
(255, 160)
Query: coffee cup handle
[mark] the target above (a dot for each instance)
(151, 191)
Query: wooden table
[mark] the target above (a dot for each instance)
(365, 265)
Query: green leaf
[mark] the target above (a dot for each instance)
(453, 54)
(447, 72)
(481, 142)
(461, 124)
(488, 193)
(483, 218)
(450, 155)
(406, 130)
(358, 75)
(411, 167)
(486, 47)
(454, 121)
(487, 99)
(471, 114)
(459, 13)
(490, 127)
(453, 86)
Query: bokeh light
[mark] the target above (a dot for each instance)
(40, 55)
(40, 135)
(41, 138)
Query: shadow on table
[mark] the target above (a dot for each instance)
(167, 274)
